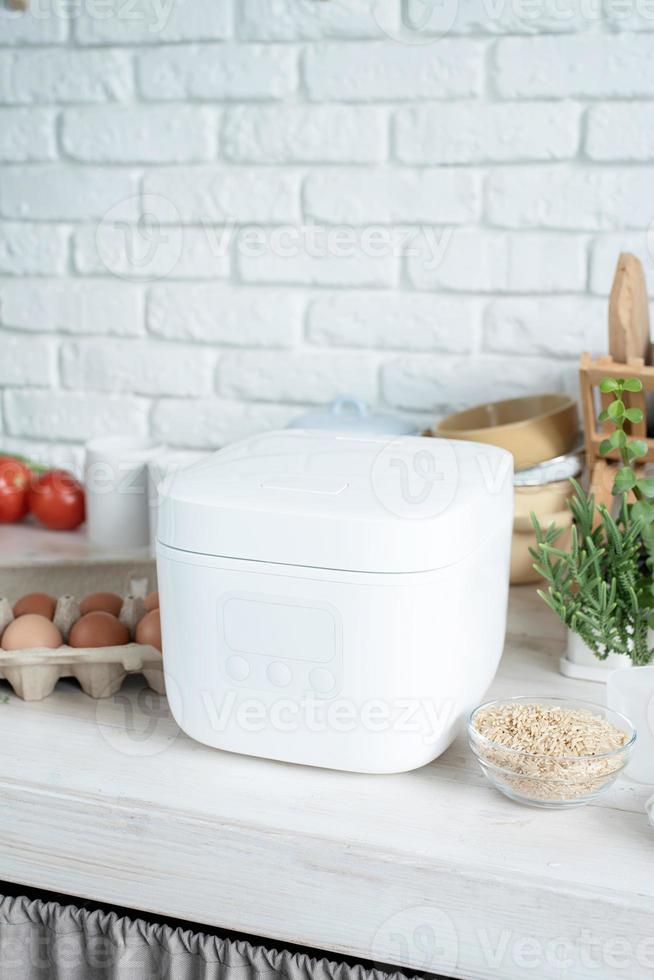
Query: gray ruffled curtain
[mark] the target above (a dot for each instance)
(48, 941)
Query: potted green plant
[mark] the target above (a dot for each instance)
(601, 585)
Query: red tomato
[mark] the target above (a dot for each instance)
(56, 500)
(14, 486)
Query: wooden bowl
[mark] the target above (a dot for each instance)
(534, 428)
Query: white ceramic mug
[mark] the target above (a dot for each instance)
(116, 479)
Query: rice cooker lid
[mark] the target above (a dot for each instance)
(340, 501)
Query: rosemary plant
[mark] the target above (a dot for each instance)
(601, 586)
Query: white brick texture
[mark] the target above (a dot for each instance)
(490, 262)
(68, 306)
(229, 72)
(122, 134)
(305, 134)
(428, 383)
(625, 16)
(145, 22)
(27, 361)
(217, 213)
(517, 17)
(297, 20)
(388, 197)
(551, 326)
(203, 422)
(72, 415)
(605, 66)
(217, 194)
(579, 198)
(64, 193)
(19, 27)
(392, 71)
(59, 75)
(32, 250)
(475, 133)
(352, 265)
(233, 317)
(27, 135)
(138, 366)
(131, 252)
(302, 377)
(634, 123)
(399, 322)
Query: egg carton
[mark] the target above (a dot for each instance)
(100, 671)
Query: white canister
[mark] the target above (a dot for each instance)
(116, 478)
(631, 692)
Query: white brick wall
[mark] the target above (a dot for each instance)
(215, 213)
(27, 135)
(387, 70)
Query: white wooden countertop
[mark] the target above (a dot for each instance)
(29, 555)
(432, 869)
(25, 544)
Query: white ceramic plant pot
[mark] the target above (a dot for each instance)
(580, 662)
(632, 693)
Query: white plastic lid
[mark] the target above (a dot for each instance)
(353, 415)
(340, 501)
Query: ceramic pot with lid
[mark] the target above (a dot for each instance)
(351, 414)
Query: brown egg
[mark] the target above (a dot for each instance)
(39, 603)
(151, 601)
(107, 602)
(98, 629)
(148, 629)
(31, 630)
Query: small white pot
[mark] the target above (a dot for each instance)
(580, 662)
(632, 693)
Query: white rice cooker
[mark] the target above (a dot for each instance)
(334, 599)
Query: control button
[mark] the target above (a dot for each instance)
(238, 668)
(279, 674)
(322, 680)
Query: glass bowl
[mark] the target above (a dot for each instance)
(552, 781)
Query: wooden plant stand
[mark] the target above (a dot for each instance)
(601, 469)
